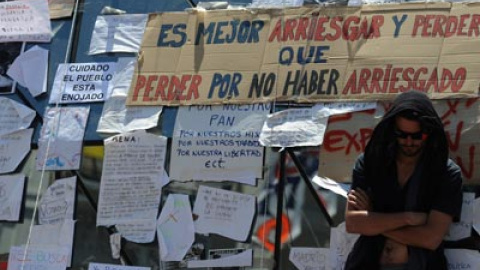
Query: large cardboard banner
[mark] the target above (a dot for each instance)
(309, 54)
(348, 134)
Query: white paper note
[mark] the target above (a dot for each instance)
(224, 258)
(175, 228)
(130, 187)
(58, 201)
(293, 127)
(462, 259)
(463, 228)
(13, 149)
(104, 266)
(277, 3)
(55, 235)
(138, 231)
(476, 215)
(116, 245)
(116, 116)
(118, 33)
(342, 107)
(223, 212)
(309, 258)
(35, 257)
(61, 138)
(218, 143)
(341, 243)
(332, 185)
(14, 116)
(25, 20)
(11, 195)
(82, 82)
(30, 70)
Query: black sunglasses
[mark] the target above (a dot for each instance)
(415, 136)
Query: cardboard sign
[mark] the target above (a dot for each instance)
(25, 20)
(82, 82)
(308, 54)
(348, 134)
(218, 143)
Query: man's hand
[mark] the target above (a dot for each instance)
(358, 199)
(416, 218)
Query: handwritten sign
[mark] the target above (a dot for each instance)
(104, 266)
(58, 202)
(293, 127)
(11, 195)
(341, 244)
(236, 257)
(116, 116)
(14, 116)
(463, 228)
(175, 228)
(118, 33)
(277, 3)
(218, 143)
(308, 54)
(223, 212)
(130, 188)
(462, 259)
(138, 231)
(82, 82)
(348, 134)
(61, 138)
(13, 149)
(38, 257)
(25, 20)
(58, 235)
(309, 258)
(60, 8)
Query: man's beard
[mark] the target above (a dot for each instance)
(410, 151)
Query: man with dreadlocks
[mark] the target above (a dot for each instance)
(405, 191)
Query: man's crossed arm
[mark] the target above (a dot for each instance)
(409, 228)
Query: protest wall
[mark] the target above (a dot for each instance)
(308, 54)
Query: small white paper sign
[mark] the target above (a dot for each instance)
(118, 33)
(309, 258)
(25, 20)
(462, 259)
(332, 185)
(336, 108)
(33, 257)
(341, 243)
(58, 201)
(55, 235)
(61, 138)
(13, 149)
(11, 195)
(463, 228)
(224, 258)
(104, 266)
(14, 116)
(175, 228)
(218, 143)
(116, 245)
(130, 187)
(116, 116)
(82, 82)
(293, 127)
(30, 70)
(138, 231)
(277, 3)
(223, 212)
(476, 215)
